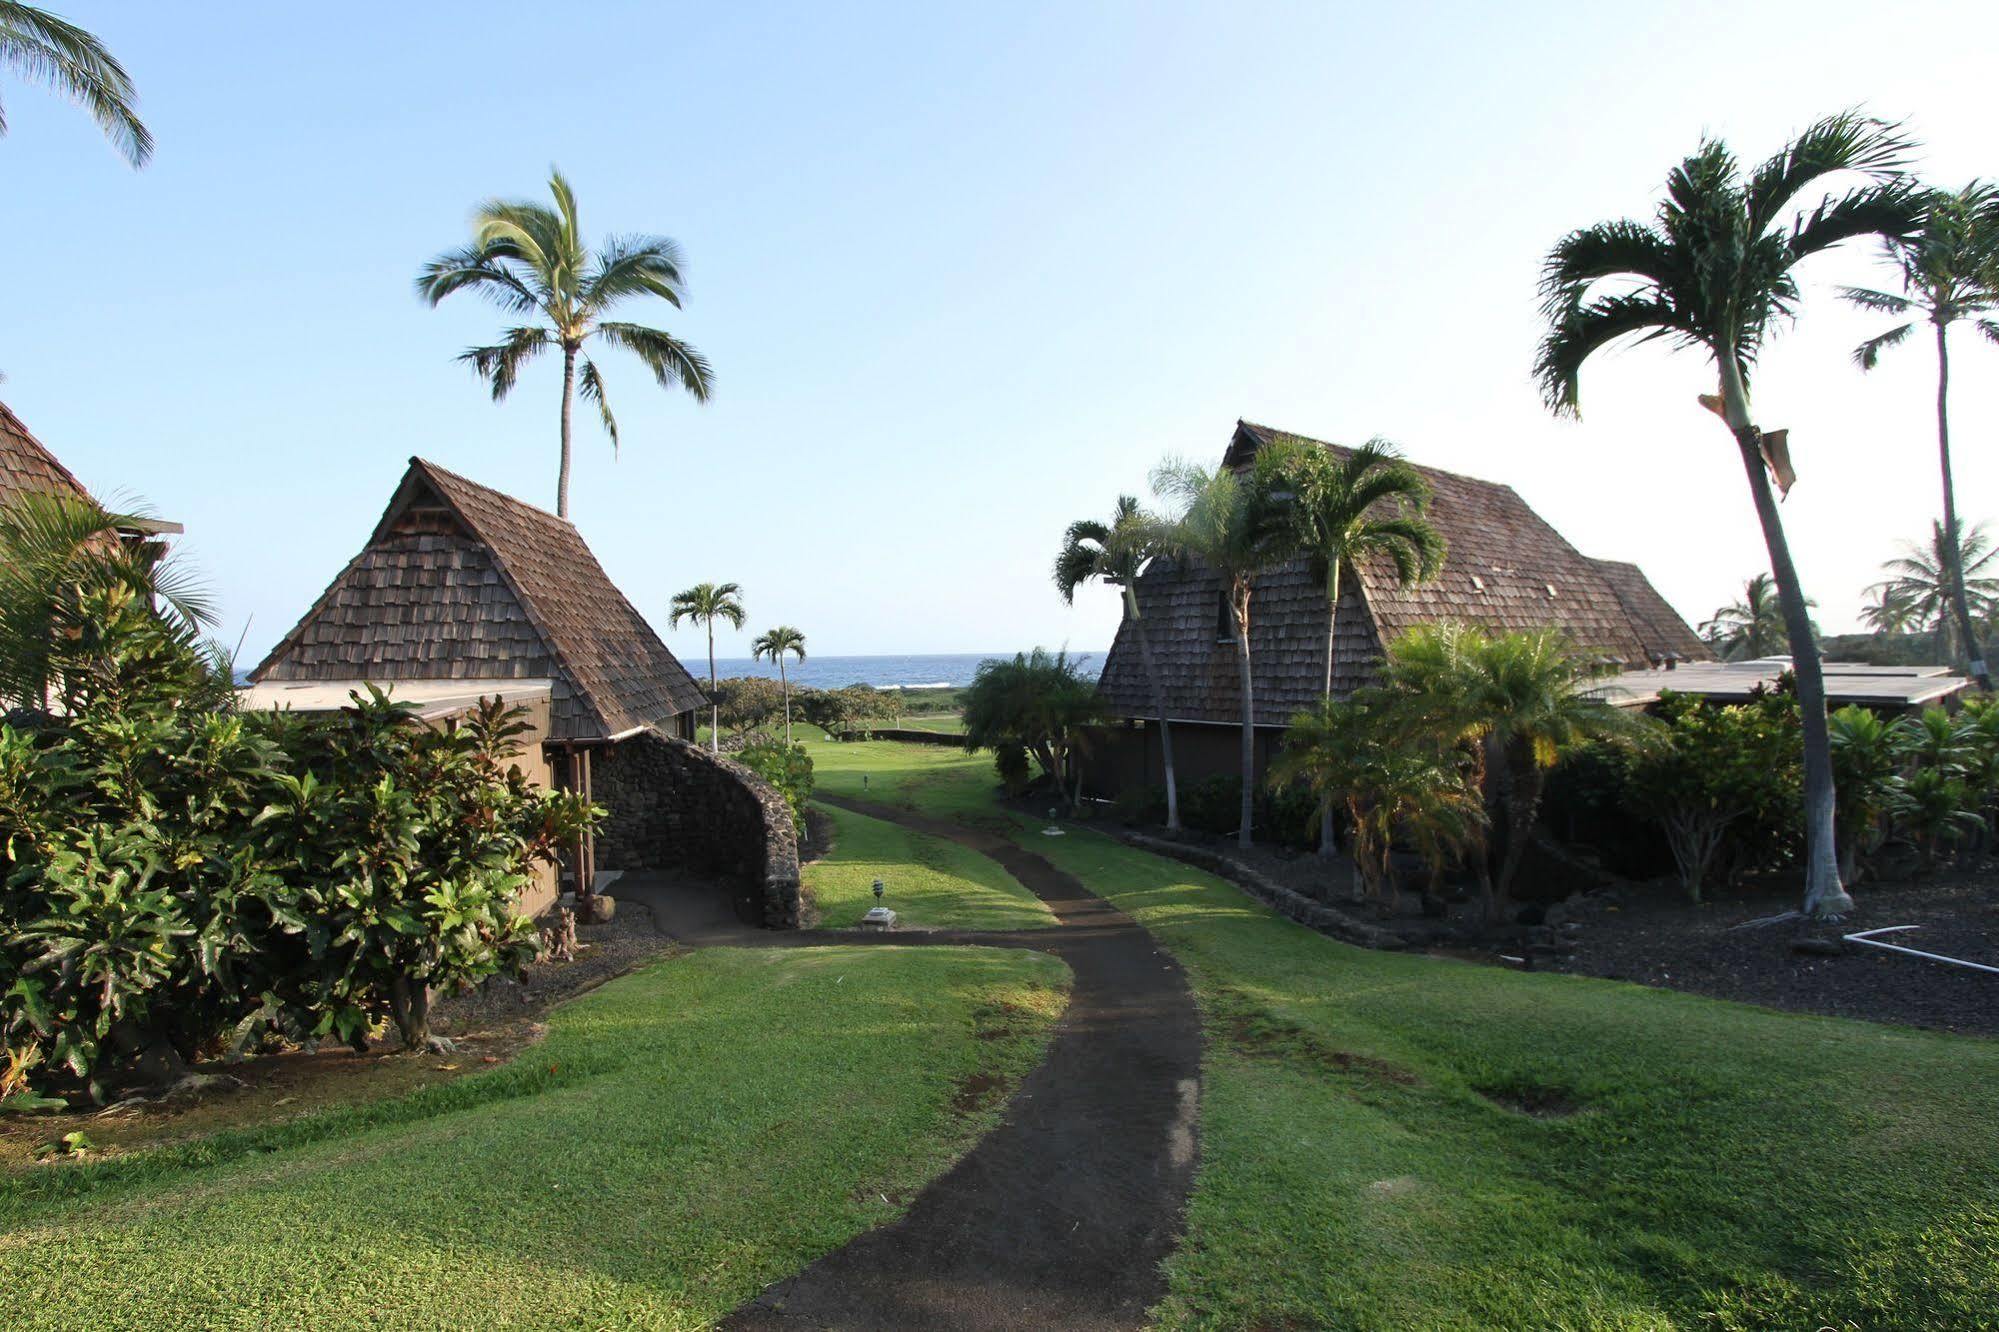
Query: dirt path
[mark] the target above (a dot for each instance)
(1061, 1216)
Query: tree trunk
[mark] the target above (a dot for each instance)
(1825, 896)
(784, 683)
(1523, 804)
(1159, 702)
(1239, 611)
(1332, 637)
(409, 1009)
(1974, 648)
(568, 392)
(714, 704)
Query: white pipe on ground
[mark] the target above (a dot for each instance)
(1866, 937)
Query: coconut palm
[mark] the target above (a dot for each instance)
(1367, 505)
(772, 645)
(1715, 272)
(1520, 698)
(705, 603)
(1117, 553)
(1921, 578)
(531, 260)
(1752, 627)
(1949, 273)
(1234, 522)
(1891, 611)
(72, 63)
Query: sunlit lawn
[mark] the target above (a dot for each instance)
(929, 882)
(683, 1137)
(1393, 1141)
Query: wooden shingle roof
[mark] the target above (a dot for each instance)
(459, 581)
(1665, 634)
(26, 465)
(1505, 569)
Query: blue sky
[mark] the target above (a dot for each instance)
(964, 273)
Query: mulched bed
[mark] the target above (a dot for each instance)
(1651, 934)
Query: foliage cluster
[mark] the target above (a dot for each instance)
(1039, 701)
(788, 769)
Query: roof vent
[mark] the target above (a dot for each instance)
(1478, 584)
(1550, 587)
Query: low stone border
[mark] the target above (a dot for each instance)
(1293, 905)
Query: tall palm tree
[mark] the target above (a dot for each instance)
(1714, 272)
(1519, 697)
(1117, 553)
(1891, 611)
(1366, 505)
(1949, 273)
(1233, 522)
(531, 260)
(705, 603)
(74, 64)
(1753, 626)
(771, 645)
(1921, 579)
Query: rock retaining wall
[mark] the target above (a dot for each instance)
(673, 804)
(1316, 915)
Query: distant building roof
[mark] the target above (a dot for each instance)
(460, 582)
(27, 467)
(1505, 569)
(1734, 681)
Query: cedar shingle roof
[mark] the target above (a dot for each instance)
(459, 581)
(1664, 632)
(26, 465)
(1505, 569)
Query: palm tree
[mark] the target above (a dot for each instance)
(74, 64)
(530, 260)
(1921, 579)
(52, 548)
(1714, 273)
(705, 603)
(1234, 522)
(1367, 505)
(1521, 697)
(1753, 626)
(1891, 611)
(1949, 272)
(771, 645)
(1117, 553)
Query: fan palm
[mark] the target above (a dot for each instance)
(1368, 504)
(772, 645)
(1117, 553)
(1949, 273)
(1751, 627)
(531, 260)
(51, 548)
(1715, 272)
(1921, 578)
(705, 603)
(74, 64)
(1521, 697)
(1234, 522)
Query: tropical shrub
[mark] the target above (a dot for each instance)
(1011, 764)
(746, 703)
(1867, 763)
(834, 710)
(1040, 701)
(1213, 804)
(788, 769)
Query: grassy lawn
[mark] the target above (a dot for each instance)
(933, 778)
(681, 1138)
(1371, 1156)
(930, 882)
(942, 721)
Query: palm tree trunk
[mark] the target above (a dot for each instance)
(1332, 637)
(568, 394)
(1824, 894)
(714, 706)
(1239, 611)
(1159, 702)
(784, 683)
(1953, 552)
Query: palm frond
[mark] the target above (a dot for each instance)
(1588, 329)
(75, 65)
(477, 268)
(670, 360)
(591, 385)
(634, 266)
(1881, 302)
(500, 364)
(1591, 255)
(1868, 354)
(1844, 142)
(1892, 211)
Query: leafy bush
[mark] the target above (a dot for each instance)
(1038, 700)
(746, 702)
(1213, 804)
(788, 768)
(1015, 773)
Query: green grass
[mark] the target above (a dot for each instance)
(1727, 1167)
(683, 1137)
(943, 721)
(930, 882)
(934, 778)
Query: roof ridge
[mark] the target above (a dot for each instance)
(15, 425)
(463, 479)
(1419, 466)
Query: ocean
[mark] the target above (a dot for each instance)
(914, 671)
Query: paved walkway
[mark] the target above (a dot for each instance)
(1060, 1217)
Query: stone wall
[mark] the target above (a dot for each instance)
(672, 804)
